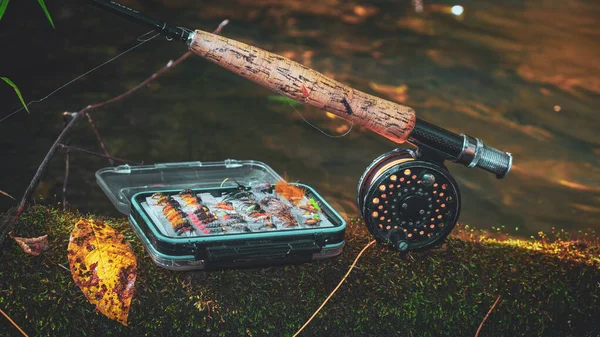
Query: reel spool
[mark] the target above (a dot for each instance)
(407, 201)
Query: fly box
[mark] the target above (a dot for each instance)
(196, 215)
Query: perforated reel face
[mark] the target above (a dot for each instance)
(408, 203)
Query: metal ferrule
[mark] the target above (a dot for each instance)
(190, 38)
(471, 151)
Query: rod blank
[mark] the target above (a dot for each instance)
(132, 14)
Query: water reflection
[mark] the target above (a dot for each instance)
(497, 72)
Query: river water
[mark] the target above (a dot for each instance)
(521, 75)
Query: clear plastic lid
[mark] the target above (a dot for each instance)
(122, 182)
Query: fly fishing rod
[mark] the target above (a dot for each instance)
(408, 199)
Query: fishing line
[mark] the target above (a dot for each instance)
(316, 127)
(140, 38)
(336, 288)
(189, 31)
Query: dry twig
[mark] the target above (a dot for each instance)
(102, 145)
(13, 323)
(335, 289)
(6, 194)
(486, 316)
(58, 264)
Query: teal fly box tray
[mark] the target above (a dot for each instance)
(234, 213)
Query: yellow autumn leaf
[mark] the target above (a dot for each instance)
(103, 266)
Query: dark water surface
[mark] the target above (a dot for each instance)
(523, 76)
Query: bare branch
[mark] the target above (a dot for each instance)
(75, 117)
(38, 175)
(102, 145)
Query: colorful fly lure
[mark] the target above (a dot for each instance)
(290, 192)
(206, 228)
(173, 213)
(235, 218)
(238, 193)
(283, 213)
(268, 224)
(312, 208)
(309, 208)
(263, 188)
(201, 214)
(235, 222)
(271, 202)
(225, 205)
(314, 221)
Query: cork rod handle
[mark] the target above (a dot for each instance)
(284, 76)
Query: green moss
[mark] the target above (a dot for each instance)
(550, 291)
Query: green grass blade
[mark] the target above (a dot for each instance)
(41, 2)
(3, 4)
(16, 90)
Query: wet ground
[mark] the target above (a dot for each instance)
(520, 75)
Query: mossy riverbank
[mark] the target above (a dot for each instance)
(548, 287)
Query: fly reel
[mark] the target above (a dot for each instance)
(408, 201)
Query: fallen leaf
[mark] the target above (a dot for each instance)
(103, 266)
(33, 246)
